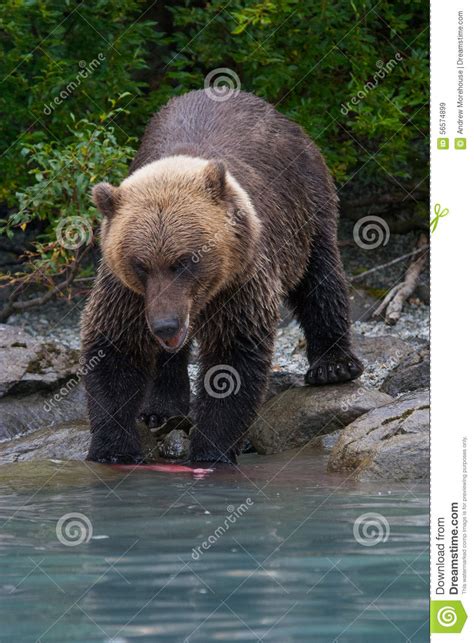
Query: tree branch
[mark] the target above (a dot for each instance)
(389, 263)
(13, 305)
(396, 297)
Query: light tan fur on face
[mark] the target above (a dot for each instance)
(164, 211)
(187, 170)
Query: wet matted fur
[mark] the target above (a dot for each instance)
(228, 208)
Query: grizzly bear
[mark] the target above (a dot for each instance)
(227, 210)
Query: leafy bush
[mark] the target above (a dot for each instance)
(58, 202)
(353, 74)
(59, 57)
(309, 59)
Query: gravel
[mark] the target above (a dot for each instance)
(357, 259)
(289, 352)
(59, 321)
(55, 321)
(412, 327)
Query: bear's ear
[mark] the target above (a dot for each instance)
(106, 198)
(214, 179)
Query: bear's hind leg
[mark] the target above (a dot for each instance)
(321, 305)
(168, 392)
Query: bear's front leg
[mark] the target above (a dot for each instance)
(115, 389)
(232, 384)
(168, 391)
(117, 358)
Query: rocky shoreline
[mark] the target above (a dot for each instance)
(374, 428)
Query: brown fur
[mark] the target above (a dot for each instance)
(242, 189)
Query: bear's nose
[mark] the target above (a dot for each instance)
(165, 328)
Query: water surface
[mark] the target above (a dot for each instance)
(265, 552)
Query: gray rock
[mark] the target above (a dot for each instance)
(362, 304)
(280, 381)
(64, 443)
(384, 349)
(29, 365)
(380, 355)
(175, 445)
(325, 442)
(390, 442)
(293, 418)
(69, 441)
(412, 374)
(23, 414)
(16, 354)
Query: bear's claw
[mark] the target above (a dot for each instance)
(152, 420)
(334, 367)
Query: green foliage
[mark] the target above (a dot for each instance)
(45, 45)
(61, 181)
(62, 62)
(309, 59)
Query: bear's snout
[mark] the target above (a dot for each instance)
(165, 328)
(171, 332)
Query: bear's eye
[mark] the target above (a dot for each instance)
(140, 269)
(181, 265)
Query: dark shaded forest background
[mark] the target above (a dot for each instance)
(315, 60)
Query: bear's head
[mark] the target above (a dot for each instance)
(177, 231)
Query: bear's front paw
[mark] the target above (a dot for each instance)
(116, 458)
(105, 452)
(152, 420)
(335, 366)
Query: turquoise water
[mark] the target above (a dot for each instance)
(159, 560)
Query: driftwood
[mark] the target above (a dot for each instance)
(392, 304)
(389, 263)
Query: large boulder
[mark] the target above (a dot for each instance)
(293, 418)
(29, 365)
(380, 356)
(382, 349)
(280, 381)
(20, 414)
(390, 442)
(413, 373)
(68, 441)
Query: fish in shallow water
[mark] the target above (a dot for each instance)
(164, 468)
